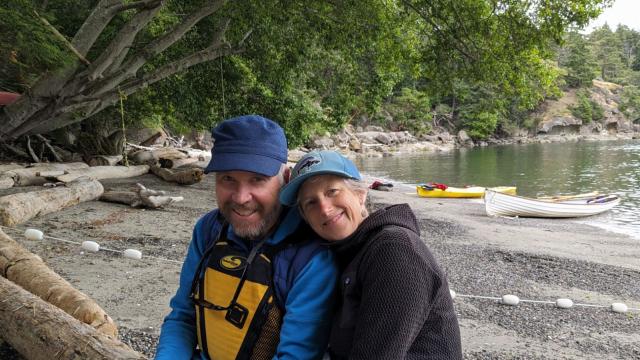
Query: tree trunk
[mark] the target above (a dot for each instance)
(187, 176)
(105, 172)
(29, 271)
(40, 331)
(18, 208)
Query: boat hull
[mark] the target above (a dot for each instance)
(498, 204)
(468, 192)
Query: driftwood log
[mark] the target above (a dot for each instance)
(20, 207)
(141, 197)
(34, 175)
(184, 176)
(154, 154)
(40, 331)
(176, 163)
(104, 160)
(29, 271)
(105, 172)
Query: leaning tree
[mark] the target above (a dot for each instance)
(84, 88)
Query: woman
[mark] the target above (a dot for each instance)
(395, 301)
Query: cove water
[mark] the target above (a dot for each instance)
(536, 169)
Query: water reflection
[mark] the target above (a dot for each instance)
(536, 169)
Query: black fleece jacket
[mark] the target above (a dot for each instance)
(395, 301)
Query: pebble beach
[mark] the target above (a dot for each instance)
(485, 258)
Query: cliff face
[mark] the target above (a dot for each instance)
(556, 117)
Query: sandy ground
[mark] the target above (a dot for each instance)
(531, 258)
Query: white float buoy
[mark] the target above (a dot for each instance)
(133, 254)
(619, 308)
(452, 293)
(33, 234)
(510, 300)
(91, 246)
(564, 303)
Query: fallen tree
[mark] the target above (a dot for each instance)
(38, 330)
(29, 271)
(20, 207)
(104, 172)
(141, 197)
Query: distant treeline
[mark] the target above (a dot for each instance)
(417, 65)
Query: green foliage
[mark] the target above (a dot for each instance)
(586, 109)
(481, 125)
(630, 103)
(27, 48)
(410, 110)
(579, 61)
(313, 66)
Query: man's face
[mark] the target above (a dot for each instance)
(249, 201)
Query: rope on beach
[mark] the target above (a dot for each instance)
(89, 246)
(513, 300)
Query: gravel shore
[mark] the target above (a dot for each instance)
(535, 259)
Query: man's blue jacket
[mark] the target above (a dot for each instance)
(307, 319)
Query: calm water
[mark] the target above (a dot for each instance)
(536, 169)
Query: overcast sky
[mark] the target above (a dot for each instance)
(625, 12)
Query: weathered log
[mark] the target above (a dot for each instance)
(153, 138)
(105, 172)
(141, 197)
(6, 182)
(176, 163)
(29, 271)
(152, 156)
(20, 207)
(32, 175)
(104, 160)
(187, 176)
(197, 164)
(8, 167)
(40, 331)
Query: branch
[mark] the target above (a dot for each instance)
(143, 4)
(94, 25)
(124, 39)
(205, 55)
(129, 68)
(62, 38)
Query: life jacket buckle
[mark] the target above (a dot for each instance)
(237, 315)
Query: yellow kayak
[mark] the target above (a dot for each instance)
(467, 192)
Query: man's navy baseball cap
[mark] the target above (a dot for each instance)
(317, 163)
(248, 143)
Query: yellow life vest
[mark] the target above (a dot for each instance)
(236, 313)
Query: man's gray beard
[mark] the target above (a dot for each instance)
(254, 232)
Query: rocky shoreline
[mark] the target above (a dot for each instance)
(374, 141)
(489, 257)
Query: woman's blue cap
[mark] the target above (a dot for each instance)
(317, 163)
(248, 143)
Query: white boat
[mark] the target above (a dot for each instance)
(499, 204)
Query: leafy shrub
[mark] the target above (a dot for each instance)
(586, 109)
(481, 125)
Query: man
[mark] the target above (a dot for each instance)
(253, 285)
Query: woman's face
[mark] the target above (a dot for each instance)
(331, 208)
